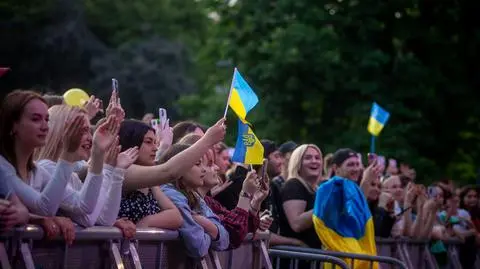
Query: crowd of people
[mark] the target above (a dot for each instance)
(65, 167)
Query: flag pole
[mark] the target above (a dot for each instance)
(372, 144)
(230, 93)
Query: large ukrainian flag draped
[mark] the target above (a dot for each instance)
(343, 221)
(378, 119)
(242, 97)
(248, 149)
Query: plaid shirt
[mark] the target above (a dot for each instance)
(237, 222)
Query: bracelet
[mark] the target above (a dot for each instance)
(246, 195)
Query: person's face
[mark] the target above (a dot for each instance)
(148, 150)
(195, 176)
(32, 128)
(85, 148)
(312, 163)
(222, 160)
(394, 187)
(471, 199)
(374, 190)
(275, 163)
(349, 169)
(211, 178)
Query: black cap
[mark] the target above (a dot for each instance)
(287, 147)
(268, 146)
(341, 155)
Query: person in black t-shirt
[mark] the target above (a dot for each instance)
(298, 195)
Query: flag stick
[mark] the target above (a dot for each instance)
(251, 167)
(229, 93)
(372, 144)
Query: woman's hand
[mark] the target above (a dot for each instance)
(127, 158)
(216, 133)
(106, 134)
(66, 227)
(72, 138)
(115, 108)
(93, 106)
(127, 227)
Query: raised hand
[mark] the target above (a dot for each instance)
(115, 108)
(72, 138)
(216, 133)
(112, 153)
(93, 106)
(251, 183)
(127, 158)
(164, 135)
(106, 134)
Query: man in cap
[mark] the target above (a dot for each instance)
(346, 164)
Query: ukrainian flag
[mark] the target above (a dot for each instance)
(248, 149)
(242, 97)
(343, 221)
(378, 119)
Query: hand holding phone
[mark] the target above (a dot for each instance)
(162, 116)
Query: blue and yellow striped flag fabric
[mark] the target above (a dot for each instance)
(378, 119)
(242, 97)
(343, 221)
(248, 149)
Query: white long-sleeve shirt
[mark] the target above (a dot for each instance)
(44, 192)
(108, 197)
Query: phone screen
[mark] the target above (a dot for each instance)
(114, 84)
(264, 174)
(162, 114)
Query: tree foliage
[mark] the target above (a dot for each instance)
(318, 65)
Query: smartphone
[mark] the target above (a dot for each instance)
(432, 191)
(162, 115)
(263, 174)
(114, 84)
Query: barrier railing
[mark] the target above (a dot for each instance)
(351, 256)
(102, 247)
(316, 260)
(155, 248)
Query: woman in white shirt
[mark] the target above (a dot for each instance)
(83, 196)
(25, 114)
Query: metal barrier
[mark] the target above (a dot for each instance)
(102, 247)
(313, 258)
(351, 256)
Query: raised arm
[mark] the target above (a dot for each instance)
(138, 177)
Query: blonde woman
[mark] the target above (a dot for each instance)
(81, 201)
(298, 195)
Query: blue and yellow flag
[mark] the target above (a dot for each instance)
(242, 97)
(378, 119)
(248, 149)
(343, 221)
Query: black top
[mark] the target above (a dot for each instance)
(295, 190)
(136, 205)
(382, 220)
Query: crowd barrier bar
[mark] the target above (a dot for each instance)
(352, 256)
(295, 256)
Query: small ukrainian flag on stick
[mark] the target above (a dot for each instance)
(378, 119)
